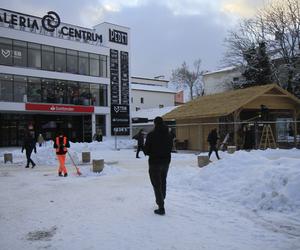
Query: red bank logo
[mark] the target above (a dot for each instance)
(59, 108)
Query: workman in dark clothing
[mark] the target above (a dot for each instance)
(61, 144)
(140, 142)
(212, 140)
(158, 146)
(29, 146)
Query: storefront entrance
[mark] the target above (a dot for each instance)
(13, 126)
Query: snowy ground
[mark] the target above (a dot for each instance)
(248, 200)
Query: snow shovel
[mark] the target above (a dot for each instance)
(77, 168)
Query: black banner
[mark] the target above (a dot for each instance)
(120, 120)
(114, 76)
(124, 78)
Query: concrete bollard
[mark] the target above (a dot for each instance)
(98, 165)
(203, 160)
(231, 149)
(8, 157)
(86, 157)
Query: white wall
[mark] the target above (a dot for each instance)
(151, 99)
(220, 81)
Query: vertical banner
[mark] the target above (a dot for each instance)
(124, 78)
(120, 118)
(114, 77)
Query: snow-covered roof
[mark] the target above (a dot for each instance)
(154, 88)
(152, 113)
(221, 70)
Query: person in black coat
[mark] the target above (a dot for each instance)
(140, 142)
(158, 146)
(29, 146)
(213, 139)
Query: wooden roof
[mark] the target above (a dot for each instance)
(223, 104)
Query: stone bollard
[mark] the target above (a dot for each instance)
(231, 149)
(8, 157)
(86, 157)
(203, 160)
(98, 165)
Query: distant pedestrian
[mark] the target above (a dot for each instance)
(40, 140)
(98, 136)
(140, 142)
(61, 144)
(212, 140)
(158, 146)
(173, 135)
(29, 146)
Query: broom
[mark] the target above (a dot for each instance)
(77, 168)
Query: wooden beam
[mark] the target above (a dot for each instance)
(236, 118)
(296, 114)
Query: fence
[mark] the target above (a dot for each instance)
(244, 135)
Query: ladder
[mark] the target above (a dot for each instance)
(267, 139)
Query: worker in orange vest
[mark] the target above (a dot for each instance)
(61, 144)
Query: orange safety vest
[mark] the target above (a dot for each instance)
(64, 144)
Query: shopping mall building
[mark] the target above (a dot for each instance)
(55, 75)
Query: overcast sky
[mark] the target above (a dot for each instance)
(164, 33)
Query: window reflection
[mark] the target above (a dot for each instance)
(32, 55)
(83, 63)
(60, 60)
(47, 58)
(72, 61)
(20, 53)
(6, 51)
(94, 65)
(33, 89)
(20, 83)
(6, 88)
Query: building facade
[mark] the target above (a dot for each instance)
(151, 93)
(221, 80)
(55, 75)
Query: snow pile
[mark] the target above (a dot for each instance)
(259, 180)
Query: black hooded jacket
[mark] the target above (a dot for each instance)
(159, 145)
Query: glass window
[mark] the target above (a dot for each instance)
(48, 91)
(47, 57)
(103, 66)
(84, 93)
(83, 63)
(95, 95)
(60, 60)
(34, 55)
(6, 88)
(20, 83)
(6, 51)
(61, 92)
(94, 65)
(73, 93)
(34, 89)
(103, 95)
(20, 53)
(72, 61)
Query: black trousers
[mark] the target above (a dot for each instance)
(139, 148)
(158, 176)
(211, 149)
(28, 156)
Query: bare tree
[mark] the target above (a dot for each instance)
(277, 24)
(183, 77)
